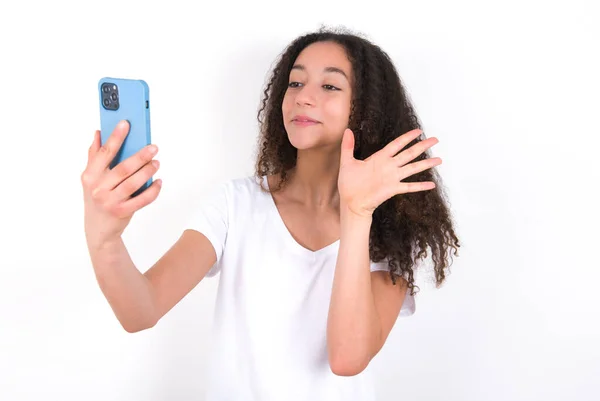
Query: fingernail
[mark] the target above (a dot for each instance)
(153, 149)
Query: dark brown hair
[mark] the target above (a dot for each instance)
(404, 226)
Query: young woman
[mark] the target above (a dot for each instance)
(316, 251)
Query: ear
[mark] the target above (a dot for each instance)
(347, 151)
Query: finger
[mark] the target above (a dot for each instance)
(93, 149)
(414, 151)
(392, 148)
(107, 152)
(87, 178)
(132, 205)
(95, 144)
(416, 167)
(129, 166)
(126, 188)
(409, 187)
(347, 150)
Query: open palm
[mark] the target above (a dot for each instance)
(365, 184)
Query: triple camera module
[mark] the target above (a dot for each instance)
(110, 96)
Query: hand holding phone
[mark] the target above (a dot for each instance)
(117, 181)
(126, 99)
(109, 205)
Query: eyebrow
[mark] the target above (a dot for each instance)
(327, 69)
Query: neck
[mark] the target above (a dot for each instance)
(314, 180)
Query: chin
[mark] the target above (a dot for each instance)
(305, 138)
(302, 144)
(310, 144)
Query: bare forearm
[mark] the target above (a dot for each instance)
(353, 324)
(126, 289)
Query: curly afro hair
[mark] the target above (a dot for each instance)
(404, 226)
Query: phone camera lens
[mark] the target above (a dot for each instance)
(113, 96)
(106, 102)
(105, 89)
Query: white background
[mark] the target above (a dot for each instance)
(509, 88)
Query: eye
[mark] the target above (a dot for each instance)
(327, 87)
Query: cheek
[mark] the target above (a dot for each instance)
(340, 110)
(287, 102)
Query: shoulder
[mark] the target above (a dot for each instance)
(248, 184)
(234, 190)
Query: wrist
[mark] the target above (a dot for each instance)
(104, 244)
(352, 216)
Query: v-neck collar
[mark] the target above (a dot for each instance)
(288, 236)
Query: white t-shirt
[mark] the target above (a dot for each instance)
(272, 303)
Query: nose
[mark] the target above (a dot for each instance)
(305, 96)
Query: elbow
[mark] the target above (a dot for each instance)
(136, 327)
(350, 359)
(348, 365)
(133, 329)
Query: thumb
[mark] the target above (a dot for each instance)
(347, 151)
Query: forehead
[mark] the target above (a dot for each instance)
(318, 56)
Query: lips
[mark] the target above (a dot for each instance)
(304, 119)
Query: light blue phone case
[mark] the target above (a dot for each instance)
(131, 103)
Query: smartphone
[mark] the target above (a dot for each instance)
(125, 99)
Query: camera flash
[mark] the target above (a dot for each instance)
(114, 87)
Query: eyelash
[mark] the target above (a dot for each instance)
(334, 88)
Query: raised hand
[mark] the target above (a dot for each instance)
(365, 184)
(107, 192)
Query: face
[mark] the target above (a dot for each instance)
(320, 89)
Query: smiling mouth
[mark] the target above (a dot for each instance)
(304, 122)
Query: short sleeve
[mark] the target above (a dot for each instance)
(408, 306)
(211, 218)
